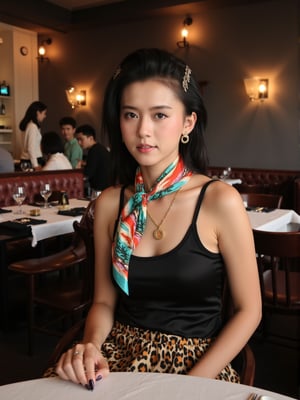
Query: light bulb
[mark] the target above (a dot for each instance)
(79, 98)
(262, 88)
(42, 51)
(184, 33)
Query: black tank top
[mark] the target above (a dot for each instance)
(178, 292)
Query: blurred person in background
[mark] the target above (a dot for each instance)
(53, 150)
(6, 161)
(97, 166)
(30, 125)
(72, 149)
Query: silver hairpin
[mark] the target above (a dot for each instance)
(117, 73)
(186, 78)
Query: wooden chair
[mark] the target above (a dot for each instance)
(262, 200)
(66, 281)
(278, 257)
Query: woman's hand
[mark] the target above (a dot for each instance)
(83, 364)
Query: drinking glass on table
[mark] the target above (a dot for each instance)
(46, 192)
(25, 166)
(226, 173)
(19, 196)
(95, 193)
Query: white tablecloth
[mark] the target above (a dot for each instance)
(276, 220)
(134, 386)
(56, 224)
(231, 181)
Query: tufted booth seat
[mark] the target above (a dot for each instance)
(284, 182)
(70, 181)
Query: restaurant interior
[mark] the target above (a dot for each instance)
(246, 57)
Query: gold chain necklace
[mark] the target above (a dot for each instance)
(158, 233)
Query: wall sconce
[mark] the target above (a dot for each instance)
(184, 33)
(75, 97)
(42, 50)
(257, 88)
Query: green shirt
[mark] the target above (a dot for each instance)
(73, 152)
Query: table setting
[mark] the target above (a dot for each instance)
(225, 177)
(47, 219)
(50, 222)
(20, 224)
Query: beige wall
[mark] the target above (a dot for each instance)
(21, 73)
(227, 44)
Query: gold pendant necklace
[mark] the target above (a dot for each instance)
(159, 233)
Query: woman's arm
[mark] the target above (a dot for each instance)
(100, 319)
(233, 234)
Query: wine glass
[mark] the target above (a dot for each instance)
(95, 193)
(25, 166)
(46, 192)
(226, 173)
(19, 196)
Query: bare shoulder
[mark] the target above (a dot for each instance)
(107, 204)
(221, 197)
(224, 192)
(109, 195)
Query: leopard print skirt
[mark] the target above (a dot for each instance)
(129, 349)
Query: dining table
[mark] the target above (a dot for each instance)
(56, 224)
(137, 386)
(275, 220)
(53, 224)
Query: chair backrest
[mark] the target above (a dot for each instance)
(262, 200)
(278, 257)
(84, 231)
(87, 221)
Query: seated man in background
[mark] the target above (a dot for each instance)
(6, 161)
(97, 166)
(53, 149)
(72, 150)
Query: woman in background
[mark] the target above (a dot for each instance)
(53, 150)
(30, 125)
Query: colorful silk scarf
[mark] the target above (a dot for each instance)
(133, 217)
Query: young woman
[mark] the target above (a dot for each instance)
(30, 125)
(160, 266)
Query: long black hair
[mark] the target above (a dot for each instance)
(31, 114)
(142, 65)
(52, 143)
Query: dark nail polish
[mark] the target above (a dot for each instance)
(99, 377)
(87, 387)
(91, 384)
